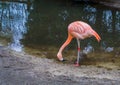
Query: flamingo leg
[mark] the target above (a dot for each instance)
(78, 55)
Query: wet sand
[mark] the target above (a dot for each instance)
(19, 68)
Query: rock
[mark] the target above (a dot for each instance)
(110, 3)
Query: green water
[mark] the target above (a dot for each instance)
(50, 20)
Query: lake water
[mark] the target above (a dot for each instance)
(39, 24)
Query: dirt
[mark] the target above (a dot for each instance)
(20, 68)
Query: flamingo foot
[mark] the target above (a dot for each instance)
(76, 64)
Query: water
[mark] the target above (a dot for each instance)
(14, 16)
(44, 23)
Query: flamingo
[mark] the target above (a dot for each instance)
(79, 30)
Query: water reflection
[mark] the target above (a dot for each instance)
(106, 21)
(52, 23)
(64, 14)
(13, 19)
(48, 25)
(109, 18)
(91, 14)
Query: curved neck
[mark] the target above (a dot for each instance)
(66, 43)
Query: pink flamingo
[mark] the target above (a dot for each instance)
(79, 30)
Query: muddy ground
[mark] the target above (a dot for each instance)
(20, 68)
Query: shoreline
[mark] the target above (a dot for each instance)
(19, 68)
